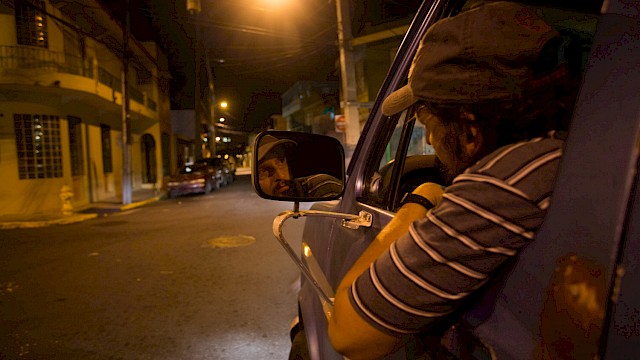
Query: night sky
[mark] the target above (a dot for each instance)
(256, 51)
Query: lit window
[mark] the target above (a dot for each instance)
(38, 146)
(31, 23)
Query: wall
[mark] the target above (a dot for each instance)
(28, 196)
(8, 34)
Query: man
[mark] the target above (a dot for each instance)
(488, 85)
(275, 175)
(273, 170)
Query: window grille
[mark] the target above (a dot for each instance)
(31, 23)
(75, 146)
(107, 162)
(38, 146)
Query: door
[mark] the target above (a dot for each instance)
(149, 165)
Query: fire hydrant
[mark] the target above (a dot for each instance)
(66, 195)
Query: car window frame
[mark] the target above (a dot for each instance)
(376, 128)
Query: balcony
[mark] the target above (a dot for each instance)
(15, 60)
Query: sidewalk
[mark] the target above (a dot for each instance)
(93, 210)
(243, 171)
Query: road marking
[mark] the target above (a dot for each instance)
(229, 241)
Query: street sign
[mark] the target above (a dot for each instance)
(341, 123)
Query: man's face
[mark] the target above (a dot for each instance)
(450, 147)
(274, 176)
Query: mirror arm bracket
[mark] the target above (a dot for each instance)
(363, 219)
(313, 275)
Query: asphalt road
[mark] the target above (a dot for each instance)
(197, 277)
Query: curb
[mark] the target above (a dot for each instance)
(42, 223)
(29, 224)
(140, 203)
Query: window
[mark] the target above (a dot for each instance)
(31, 23)
(75, 146)
(107, 163)
(38, 146)
(403, 162)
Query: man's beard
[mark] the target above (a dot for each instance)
(448, 173)
(285, 187)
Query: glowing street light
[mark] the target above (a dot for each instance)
(224, 104)
(222, 119)
(274, 3)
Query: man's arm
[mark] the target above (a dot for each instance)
(350, 334)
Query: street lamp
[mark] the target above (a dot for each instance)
(194, 6)
(273, 3)
(224, 104)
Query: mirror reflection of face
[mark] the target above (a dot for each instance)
(274, 176)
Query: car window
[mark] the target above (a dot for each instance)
(196, 167)
(399, 159)
(210, 162)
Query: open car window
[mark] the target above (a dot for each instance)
(406, 161)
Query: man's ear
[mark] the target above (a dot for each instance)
(473, 135)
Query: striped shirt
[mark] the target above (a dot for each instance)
(488, 214)
(318, 186)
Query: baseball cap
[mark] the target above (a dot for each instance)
(488, 52)
(269, 142)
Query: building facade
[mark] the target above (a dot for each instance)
(61, 107)
(310, 106)
(317, 106)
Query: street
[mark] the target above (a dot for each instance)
(196, 277)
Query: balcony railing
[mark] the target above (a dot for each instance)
(152, 104)
(20, 57)
(105, 78)
(135, 94)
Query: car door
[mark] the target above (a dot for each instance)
(373, 186)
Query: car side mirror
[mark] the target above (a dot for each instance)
(297, 166)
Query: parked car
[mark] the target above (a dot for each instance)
(229, 159)
(203, 176)
(222, 165)
(232, 165)
(587, 249)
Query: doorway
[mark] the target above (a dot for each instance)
(149, 165)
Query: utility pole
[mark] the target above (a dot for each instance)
(126, 117)
(194, 7)
(348, 102)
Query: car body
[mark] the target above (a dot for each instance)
(203, 176)
(227, 171)
(231, 163)
(587, 252)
